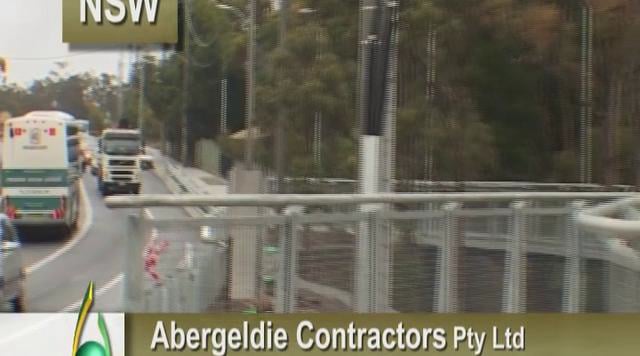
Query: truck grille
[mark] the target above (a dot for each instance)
(122, 172)
(122, 162)
(122, 179)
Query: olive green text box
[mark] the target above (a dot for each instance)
(163, 30)
(544, 334)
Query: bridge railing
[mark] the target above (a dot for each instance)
(619, 221)
(301, 185)
(476, 252)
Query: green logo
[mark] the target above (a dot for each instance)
(90, 348)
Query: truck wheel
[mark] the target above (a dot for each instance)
(101, 187)
(17, 304)
(103, 190)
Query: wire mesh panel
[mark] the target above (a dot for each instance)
(416, 239)
(546, 260)
(245, 242)
(595, 267)
(596, 289)
(268, 263)
(624, 284)
(545, 282)
(483, 258)
(194, 285)
(182, 272)
(611, 274)
(623, 278)
(326, 261)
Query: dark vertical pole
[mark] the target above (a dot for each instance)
(377, 32)
(184, 144)
(141, 90)
(364, 29)
(429, 97)
(223, 107)
(586, 44)
(251, 68)
(376, 95)
(280, 145)
(391, 101)
(120, 104)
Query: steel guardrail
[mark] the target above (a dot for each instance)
(608, 218)
(279, 200)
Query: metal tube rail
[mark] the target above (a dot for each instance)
(279, 200)
(603, 219)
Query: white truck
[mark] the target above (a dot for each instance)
(118, 162)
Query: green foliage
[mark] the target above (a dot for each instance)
(506, 88)
(82, 95)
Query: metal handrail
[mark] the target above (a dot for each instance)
(278, 200)
(607, 218)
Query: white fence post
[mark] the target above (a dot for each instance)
(286, 283)
(383, 269)
(372, 268)
(573, 279)
(133, 277)
(447, 289)
(195, 266)
(515, 291)
(164, 293)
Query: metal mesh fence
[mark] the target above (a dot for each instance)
(415, 244)
(182, 265)
(483, 258)
(475, 257)
(547, 246)
(326, 262)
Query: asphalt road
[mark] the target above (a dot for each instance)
(59, 271)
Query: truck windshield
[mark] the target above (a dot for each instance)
(72, 149)
(125, 147)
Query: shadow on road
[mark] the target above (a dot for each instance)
(42, 234)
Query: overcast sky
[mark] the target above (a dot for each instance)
(31, 42)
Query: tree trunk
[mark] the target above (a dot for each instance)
(610, 125)
(635, 127)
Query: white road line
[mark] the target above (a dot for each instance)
(81, 234)
(154, 230)
(104, 289)
(113, 282)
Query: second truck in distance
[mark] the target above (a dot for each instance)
(118, 162)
